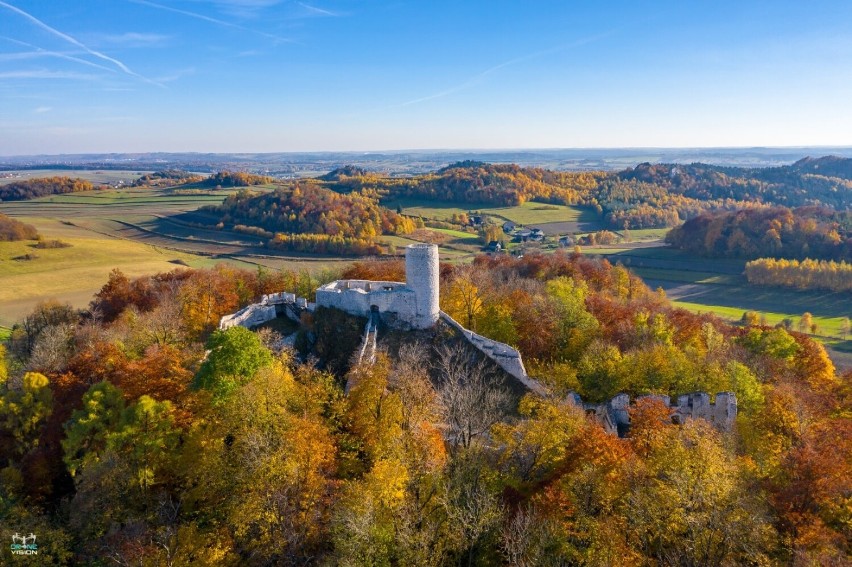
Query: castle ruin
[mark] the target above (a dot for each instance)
(414, 304)
(409, 305)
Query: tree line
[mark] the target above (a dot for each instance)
(807, 274)
(41, 187)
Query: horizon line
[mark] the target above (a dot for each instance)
(439, 150)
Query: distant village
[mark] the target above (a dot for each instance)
(516, 233)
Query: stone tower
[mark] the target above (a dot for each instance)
(421, 276)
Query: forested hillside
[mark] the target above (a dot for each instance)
(117, 444)
(167, 178)
(234, 179)
(778, 232)
(659, 195)
(307, 217)
(476, 182)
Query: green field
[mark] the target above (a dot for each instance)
(828, 326)
(530, 213)
(74, 274)
(644, 234)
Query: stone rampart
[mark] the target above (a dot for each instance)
(508, 358)
(251, 316)
(268, 308)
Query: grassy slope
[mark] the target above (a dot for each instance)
(72, 274)
(528, 213)
(75, 274)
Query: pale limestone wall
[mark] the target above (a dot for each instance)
(722, 414)
(281, 297)
(259, 313)
(357, 297)
(508, 358)
(422, 275)
(251, 316)
(413, 304)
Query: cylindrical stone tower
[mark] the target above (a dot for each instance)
(421, 276)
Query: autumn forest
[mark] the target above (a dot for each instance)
(123, 444)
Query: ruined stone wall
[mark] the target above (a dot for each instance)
(615, 416)
(251, 316)
(260, 313)
(722, 414)
(356, 300)
(422, 275)
(508, 358)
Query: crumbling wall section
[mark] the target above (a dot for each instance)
(508, 358)
(614, 414)
(268, 308)
(251, 316)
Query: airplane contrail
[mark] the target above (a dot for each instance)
(211, 20)
(79, 44)
(39, 52)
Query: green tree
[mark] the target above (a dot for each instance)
(87, 431)
(24, 410)
(746, 386)
(235, 356)
(599, 371)
(145, 439)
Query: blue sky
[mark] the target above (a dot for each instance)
(276, 75)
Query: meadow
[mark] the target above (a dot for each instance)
(532, 214)
(130, 229)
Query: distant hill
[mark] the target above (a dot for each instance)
(646, 196)
(343, 172)
(821, 181)
(778, 232)
(829, 166)
(233, 179)
(308, 217)
(167, 178)
(475, 182)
